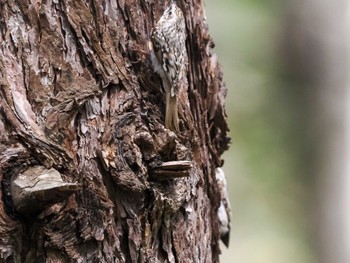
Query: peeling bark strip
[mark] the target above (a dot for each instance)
(79, 95)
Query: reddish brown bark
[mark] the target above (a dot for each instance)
(78, 94)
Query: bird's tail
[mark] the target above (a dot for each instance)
(171, 114)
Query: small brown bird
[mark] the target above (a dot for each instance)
(169, 58)
(224, 211)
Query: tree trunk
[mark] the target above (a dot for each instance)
(82, 136)
(318, 42)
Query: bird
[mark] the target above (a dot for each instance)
(224, 210)
(169, 57)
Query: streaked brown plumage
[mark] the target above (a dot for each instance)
(169, 59)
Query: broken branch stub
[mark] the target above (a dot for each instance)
(171, 170)
(37, 188)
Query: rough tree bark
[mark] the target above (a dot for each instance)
(80, 106)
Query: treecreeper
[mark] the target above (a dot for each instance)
(169, 58)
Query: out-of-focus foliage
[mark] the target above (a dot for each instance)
(268, 183)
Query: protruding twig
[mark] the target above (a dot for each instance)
(171, 170)
(38, 187)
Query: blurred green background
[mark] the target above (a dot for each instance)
(266, 169)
